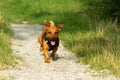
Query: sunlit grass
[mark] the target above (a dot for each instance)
(99, 47)
(7, 58)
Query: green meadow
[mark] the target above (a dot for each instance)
(90, 31)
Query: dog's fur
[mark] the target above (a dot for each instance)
(49, 39)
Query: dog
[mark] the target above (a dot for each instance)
(49, 39)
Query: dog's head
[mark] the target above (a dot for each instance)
(52, 31)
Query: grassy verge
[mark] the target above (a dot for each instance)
(7, 58)
(96, 41)
(100, 47)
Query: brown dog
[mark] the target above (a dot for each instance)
(49, 40)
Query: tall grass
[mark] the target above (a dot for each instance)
(96, 41)
(100, 47)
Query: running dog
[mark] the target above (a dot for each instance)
(49, 39)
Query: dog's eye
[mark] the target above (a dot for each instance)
(56, 32)
(49, 32)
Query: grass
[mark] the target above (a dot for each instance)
(96, 41)
(100, 47)
(7, 58)
(6, 77)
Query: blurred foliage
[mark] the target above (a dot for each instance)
(105, 9)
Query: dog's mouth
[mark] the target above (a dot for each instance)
(52, 43)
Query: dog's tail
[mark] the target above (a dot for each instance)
(51, 23)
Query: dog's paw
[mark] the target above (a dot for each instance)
(41, 49)
(47, 60)
(51, 58)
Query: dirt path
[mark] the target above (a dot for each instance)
(33, 67)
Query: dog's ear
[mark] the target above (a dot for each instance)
(46, 24)
(51, 23)
(60, 26)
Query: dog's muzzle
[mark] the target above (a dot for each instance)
(53, 41)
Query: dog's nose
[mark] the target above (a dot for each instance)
(52, 38)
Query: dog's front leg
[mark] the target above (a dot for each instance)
(45, 52)
(53, 53)
(40, 40)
